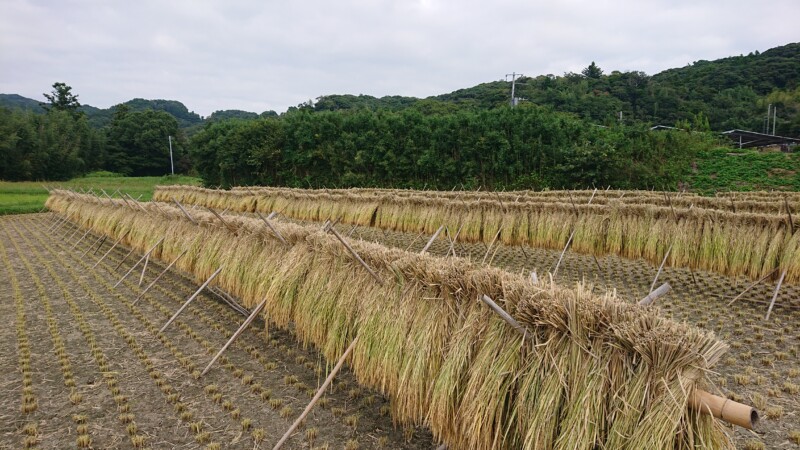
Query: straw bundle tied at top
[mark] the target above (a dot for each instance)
(596, 373)
(637, 230)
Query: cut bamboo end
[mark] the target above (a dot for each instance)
(724, 409)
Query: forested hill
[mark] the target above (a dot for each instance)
(99, 118)
(727, 93)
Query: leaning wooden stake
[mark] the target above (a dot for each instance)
(491, 244)
(506, 316)
(159, 276)
(196, 293)
(112, 248)
(269, 225)
(430, 241)
(660, 268)
(137, 262)
(775, 295)
(81, 239)
(752, 286)
(144, 269)
(655, 294)
(188, 216)
(227, 225)
(101, 239)
(355, 255)
(704, 402)
(569, 241)
(319, 394)
(452, 248)
(241, 329)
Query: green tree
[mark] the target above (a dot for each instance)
(61, 98)
(592, 71)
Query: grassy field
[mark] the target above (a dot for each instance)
(725, 169)
(29, 196)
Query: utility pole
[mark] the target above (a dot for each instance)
(774, 119)
(769, 109)
(514, 77)
(171, 164)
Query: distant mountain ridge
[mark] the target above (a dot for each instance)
(727, 93)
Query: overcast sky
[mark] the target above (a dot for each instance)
(258, 55)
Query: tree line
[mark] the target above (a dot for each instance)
(527, 147)
(61, 143)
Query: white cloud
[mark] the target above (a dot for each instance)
(258, 55)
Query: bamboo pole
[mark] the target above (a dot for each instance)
(109, 250)
(569, 241)
(453, 241)
(159, 276)
(196, 293)
(81, 239)
(102, 238)
(704, 402)
(660, 268)
(430, 241)
(241, 329)
(504, 315)
(186, 213)
(137, 262)
(277, 233)
(655, 294)
(144, 269)
(752, 286)
(355, 255)
(491, 244)
(724, 409)
(775, 295)
(319, 393)
(227, 225)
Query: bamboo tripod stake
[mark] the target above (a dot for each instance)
(196, 293)
(159, 276)
(241, 329)
(319, 393)
(137, 262)
(112, 248)
(720, 407)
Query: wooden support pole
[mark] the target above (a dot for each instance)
(77, 228)
(433, 238)
(225, 297)
(704, 402)
(81, 239)
(105, 193)
(144, 269)
(186, 213)
(136, 202)
(655, 294)
(269, 225)
(109, 250)
(660, 268)
(789, 213)
(504, 315)
(355, 255)
(319, 394)
(569, 241)
(196, 293)
(752, 286)
(140, 260)
(491, 244)
(159, 276)
(452, 248)
(226, 224)
(241, 329)
(775, 295)
(102, 238)
(592, 197)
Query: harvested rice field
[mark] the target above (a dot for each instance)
(84, 367)
(430, 363)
